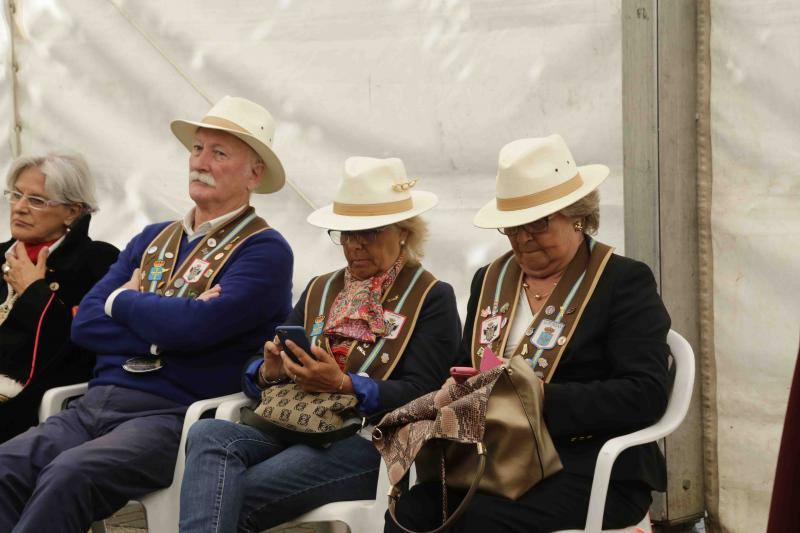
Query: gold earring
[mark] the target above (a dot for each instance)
(402, 243)
(578, 225)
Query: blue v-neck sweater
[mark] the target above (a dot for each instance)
(203, 344)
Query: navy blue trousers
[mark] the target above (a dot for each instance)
(110, 446)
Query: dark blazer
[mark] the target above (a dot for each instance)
(426, 361)
(612, 378)
(72, 269)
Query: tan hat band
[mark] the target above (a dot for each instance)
(366, 210)
(541, 197)
(224, 123)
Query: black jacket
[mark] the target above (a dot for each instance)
(72, 269)
(612, 378)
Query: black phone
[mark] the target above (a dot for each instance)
(296, 334)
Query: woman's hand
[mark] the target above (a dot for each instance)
(22, 270)
(133, 283)
(322, 375)
(272, 368)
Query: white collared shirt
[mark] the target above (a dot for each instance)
(207, 226)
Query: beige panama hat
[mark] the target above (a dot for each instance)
(249, 122)
(535, 178)
(373, 193)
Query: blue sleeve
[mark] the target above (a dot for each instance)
(367, 392)
(92, 328)
(249, 386)
(256, 281)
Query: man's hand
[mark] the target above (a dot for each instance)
(210, 294)
(322, 375)
(133, 283)
(22, 272)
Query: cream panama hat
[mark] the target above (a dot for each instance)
(536, 178)
(373, 193)
(249, 122)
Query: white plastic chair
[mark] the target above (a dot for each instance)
(162, 506)
(681, 395)
(368, 515)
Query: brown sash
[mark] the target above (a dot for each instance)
(405, 298)
(551, 329)
(197, 271)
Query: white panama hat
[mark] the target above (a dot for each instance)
(536, 178)
(373, 193)
(249, 122)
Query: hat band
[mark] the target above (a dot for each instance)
(541, 197)
(367, 210)
(224, 123)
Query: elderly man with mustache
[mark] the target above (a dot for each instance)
(173, 321)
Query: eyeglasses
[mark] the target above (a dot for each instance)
(366, 236)
(537, 226)
(35, 202)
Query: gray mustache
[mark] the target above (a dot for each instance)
(202, 177)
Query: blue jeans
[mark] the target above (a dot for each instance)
(238, 478)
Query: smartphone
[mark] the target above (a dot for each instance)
(296, 334)
(463, 373)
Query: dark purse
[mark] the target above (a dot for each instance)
(295, 416)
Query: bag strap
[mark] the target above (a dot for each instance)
(394, 495)
(350, 427)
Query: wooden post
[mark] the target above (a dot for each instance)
(660, 165)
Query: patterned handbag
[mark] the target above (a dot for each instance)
(497, 412)
(295, 416)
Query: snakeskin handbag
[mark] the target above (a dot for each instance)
(486, 434)
(294, 416)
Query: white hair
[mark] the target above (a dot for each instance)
(66, 177)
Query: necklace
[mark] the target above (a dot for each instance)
(539, 296)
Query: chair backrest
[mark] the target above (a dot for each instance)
(681, 394)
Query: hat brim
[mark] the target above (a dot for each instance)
(324, 217)
(274, 176)
(491, 217)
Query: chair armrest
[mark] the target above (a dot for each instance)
(54, 399)
(193, 414)
(229, 410)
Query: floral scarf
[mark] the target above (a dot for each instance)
(356, 313)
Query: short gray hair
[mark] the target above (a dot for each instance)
(417, 234)
(67, 177)
(587, 210)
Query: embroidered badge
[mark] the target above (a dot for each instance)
(394, 323)
(169, 255)
(486, 312)
(195, 270)
(490, 329)
(319, 324)
(504, 308)
(212, 242)
(546, 334)
(209, 273)
(549, 310)
(152, 249)
(219, 256)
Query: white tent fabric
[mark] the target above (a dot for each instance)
(755, 54)
(441, 84)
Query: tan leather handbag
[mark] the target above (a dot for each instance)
(498, 413)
